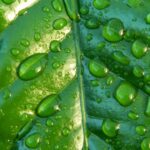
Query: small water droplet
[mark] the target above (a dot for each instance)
(57, 5)
(33, 140)
(25, 42)
(49, 123)
(84, 10)
(132, 115)
(101, 4)
(139, 48)
(92, 23)
(147, 111)
(37, 36)
(59, 24)
(110, 128)
(55, 46)
(97, 69)
(121, 58)
(15, 51)
(141, 130)
(65, 131)
(138, 71)
(148, 18)
(125, 94)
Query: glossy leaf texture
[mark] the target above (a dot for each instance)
(75, 75)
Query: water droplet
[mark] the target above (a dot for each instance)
(147, 78)
(132, 115)
(65, 131)
(25, 129)
(55, 46)
(134, 3)
(84, 10)
(113, 31)
(101, 4)
(147, 88)
(45, 9)
(57, 5)
(49, 123)
(138, 71)
(37, 36)
(95, 83)
(148, 18)
(47, 106)
(97, 69)
(92, 23)
(125, 94)
(145, 145)
(59, 24)
(25, 42)
(56, 65)
(15, 51)
(89, 37)
(141, 130)
(139, 49)
(33, 66)
(121, 58)
(110, 80)
(8, 1)
(110, 128)
(33, 140)
(147, 111)
(72, 9)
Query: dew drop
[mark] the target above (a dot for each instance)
(33, 66)
(33, 140)
(101, 4)
(49, 123)
(15, 51)
(25, 42)
(47, 106)
(148, 18)
(132, 115)
(37, 36)
(65, 131)
(141, 130)
(55, 46)
(145, 145)
(139, 49)
(59, 24)
(57, 5)
(138, 71)
(97, 69)
(8, 1)
(125, 94)
(113, 31)
(110, 128)
(121, 58)
(92, 23)
(84, 10)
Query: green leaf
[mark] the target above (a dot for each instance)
(74, 75)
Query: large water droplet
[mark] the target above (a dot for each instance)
(141, 130)
(101, 4)
(113, 31)
(110, 128)
(57, 5)
(97, 69)
(145, 145)
(47, 106)
(139, 48)
(125, 94)
(60, 23)
(121, 58)
(8, 1)
(33, 140)
(33, 66)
